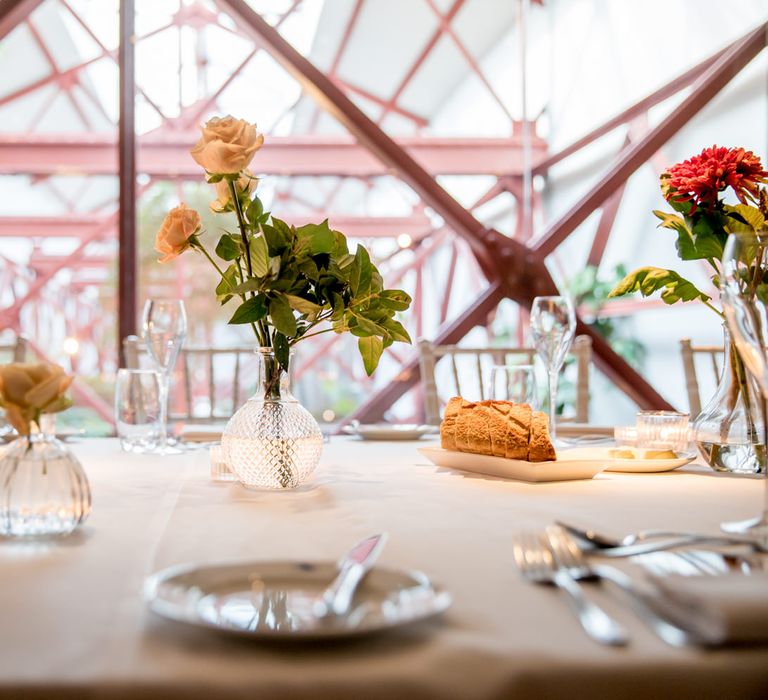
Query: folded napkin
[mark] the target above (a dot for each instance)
(201, 433)
(732, 608)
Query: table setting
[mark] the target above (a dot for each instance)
(405, 560)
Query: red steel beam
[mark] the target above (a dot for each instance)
(14, 11)
(714, 79)
(166, 155)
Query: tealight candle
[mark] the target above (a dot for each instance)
(663, 430)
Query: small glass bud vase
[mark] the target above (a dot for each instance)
(272, 442)
(43, 488)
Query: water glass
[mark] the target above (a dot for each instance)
(138, 409)
(516, 383)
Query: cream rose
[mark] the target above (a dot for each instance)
(173, 238)
(27, 390)
(245, 184)
(227, 145)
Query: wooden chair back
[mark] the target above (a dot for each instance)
(713, 356)
(431, 354)
(15, 351)
(228, 373)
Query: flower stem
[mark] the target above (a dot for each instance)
(241, 225)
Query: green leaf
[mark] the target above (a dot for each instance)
(370, 350)
(276, 241)
(226, 287)
(282, 350)
(309, 269)
(282, 317)
(360, 273)
(395, 299)
(250, 285)
(697, 243)
(213, 179)
(250, 311)
(648, 280)
(396, 330)
(744, 219)
(259, 256)
(317, 238)
(363, 326)
(229, 247)
(303, 306)
(254, 211)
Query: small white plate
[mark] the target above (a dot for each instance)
(390, 431)
(650, 466)
(273, 600)
(571, 464)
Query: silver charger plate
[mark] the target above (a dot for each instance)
(274, 599)
(390, 431)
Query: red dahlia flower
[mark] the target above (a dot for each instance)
(700, 179)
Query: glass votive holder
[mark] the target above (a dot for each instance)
(663, 430)
(625, 435)
(219, 469)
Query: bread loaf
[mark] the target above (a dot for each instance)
(497, 428)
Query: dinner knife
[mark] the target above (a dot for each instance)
(353, 566)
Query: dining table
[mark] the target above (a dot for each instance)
(75, 623)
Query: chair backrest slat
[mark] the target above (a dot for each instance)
(688, 353)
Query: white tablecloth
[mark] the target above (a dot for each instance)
(74, 623)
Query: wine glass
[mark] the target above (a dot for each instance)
(164, 328)
(553, 325)
(744, 259)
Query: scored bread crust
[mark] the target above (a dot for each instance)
(540, 448)
(498, 428)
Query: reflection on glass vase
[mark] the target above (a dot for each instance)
(272, 442)
(43, 488)
(729, 429)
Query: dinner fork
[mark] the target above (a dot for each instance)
(537, 563)
(643, 604)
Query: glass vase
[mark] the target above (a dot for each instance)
(272, 442)
(729, 429)
(43, 488)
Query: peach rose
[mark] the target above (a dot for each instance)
(227, 145)
(245, 184)
(174, 236)
(27, 390)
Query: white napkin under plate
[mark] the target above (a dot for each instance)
(731, 608)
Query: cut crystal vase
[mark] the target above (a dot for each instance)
(43, 488)
(729, 429)
(272, 442)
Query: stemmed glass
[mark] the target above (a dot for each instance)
(745, 305)
(553, 325)
(164, 328)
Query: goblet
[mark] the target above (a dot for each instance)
(743, 294)
(553, 325)
(164, 328)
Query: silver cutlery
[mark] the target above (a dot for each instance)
(644, 604)
(336, 600)
(698, 563)
(647, 541)
(537, 563)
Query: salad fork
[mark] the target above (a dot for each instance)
(537, 563)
